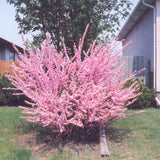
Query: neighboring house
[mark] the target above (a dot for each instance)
(7, 55)
(143, 29)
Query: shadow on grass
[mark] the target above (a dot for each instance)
(75, 138)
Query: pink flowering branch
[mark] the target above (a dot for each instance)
(67, 90)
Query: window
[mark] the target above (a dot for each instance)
(12, 56)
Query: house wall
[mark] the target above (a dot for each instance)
(137, 63)
(5, 54)
(5, 60)
(2, 54)
(5, 67)
(142, 38)
(16, 56)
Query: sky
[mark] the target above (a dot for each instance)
(8, 25)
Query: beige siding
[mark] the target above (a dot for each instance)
(141, 37)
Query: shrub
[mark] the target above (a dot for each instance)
(146, 99)
(6, 97)
(71, 91)
(79, 91)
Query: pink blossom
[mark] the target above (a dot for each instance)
(69, 90)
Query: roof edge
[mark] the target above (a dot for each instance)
(133, 18)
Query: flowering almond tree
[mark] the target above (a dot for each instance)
(70, 91)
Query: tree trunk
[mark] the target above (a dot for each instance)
(103, 142)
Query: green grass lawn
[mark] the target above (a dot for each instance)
(136, 137)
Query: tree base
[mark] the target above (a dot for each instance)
(103, 142)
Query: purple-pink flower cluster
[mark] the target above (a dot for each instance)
(70, 91)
